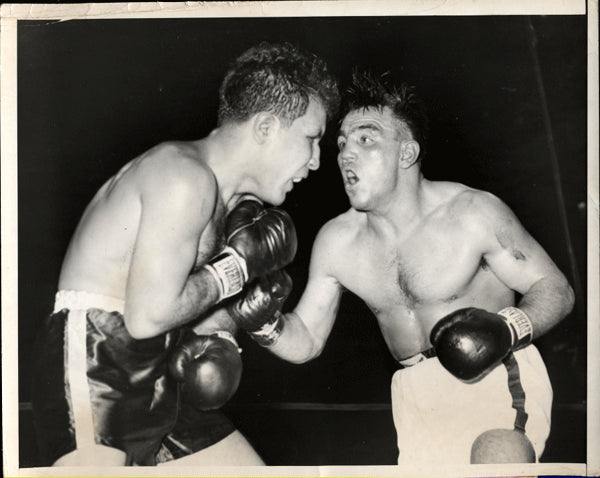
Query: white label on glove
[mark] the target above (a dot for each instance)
(520, 325)
(230, 271)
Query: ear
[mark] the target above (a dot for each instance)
(263, 126)
(409, 153)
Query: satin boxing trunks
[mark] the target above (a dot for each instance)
(94, 384)
(438, 417)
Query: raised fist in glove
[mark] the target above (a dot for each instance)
(258, 310)
(471, 342)
(259, 241)
(208, 367)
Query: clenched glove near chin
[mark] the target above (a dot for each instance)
(259, 241)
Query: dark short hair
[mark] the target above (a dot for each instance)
(278, 78)
(370, 91)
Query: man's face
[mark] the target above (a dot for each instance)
(294, 153)
(369, 145)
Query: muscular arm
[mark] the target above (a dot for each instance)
(307, 328)
(178, 201)
(523, 265)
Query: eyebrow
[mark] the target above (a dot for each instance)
(365, 126)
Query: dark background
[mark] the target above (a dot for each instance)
(507, 101)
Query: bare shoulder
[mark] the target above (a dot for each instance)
(481, 213)
(337, 235)
(471, 204)
(341, 228)
(333, 245)
(176, 167)
(177, 159)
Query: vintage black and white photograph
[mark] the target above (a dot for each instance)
(245, 238)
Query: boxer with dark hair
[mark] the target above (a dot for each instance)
(441, 266)
(139, 353)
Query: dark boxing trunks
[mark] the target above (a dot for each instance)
(94, 384)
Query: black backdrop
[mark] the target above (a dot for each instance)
(506, 95)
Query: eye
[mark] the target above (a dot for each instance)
(364, 139)
(341, 143)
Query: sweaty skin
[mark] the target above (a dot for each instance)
(415, 250)
(148, 231)
(150, 228)
(410, 279)
(128, 254)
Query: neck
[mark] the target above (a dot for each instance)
(229, 154)
(407, 206)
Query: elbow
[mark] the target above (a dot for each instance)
(564, 297)
(298, 360)
(316, 352)
(140, 325)
(140, 331)
(569, 298)
(307, 356)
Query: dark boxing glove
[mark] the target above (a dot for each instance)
(258, 311)
(471, 342)
(208, 368)
(259, 241)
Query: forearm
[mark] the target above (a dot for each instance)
(150, 316)
(471, 342)
(200, 293)
(546, 303)
(216, 319)
(295, 343)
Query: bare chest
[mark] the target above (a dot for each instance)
(212, 239)
(421, 271)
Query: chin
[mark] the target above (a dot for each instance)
(276, 199)
(355, 203)
(361, 206)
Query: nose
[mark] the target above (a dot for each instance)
(315, 162)
(345, 155)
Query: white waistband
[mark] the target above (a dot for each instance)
(81, 300)
(413, 360)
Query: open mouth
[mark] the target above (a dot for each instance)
(350, 177)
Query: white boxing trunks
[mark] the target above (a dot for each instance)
(438, 417)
